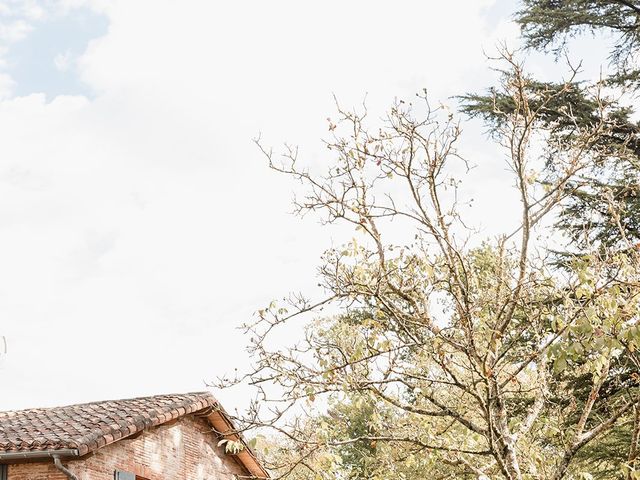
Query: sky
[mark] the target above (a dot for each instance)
(139, 224)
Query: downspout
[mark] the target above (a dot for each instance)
(58, 464)
(43, 455)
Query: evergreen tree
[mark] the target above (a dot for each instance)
(602, 205)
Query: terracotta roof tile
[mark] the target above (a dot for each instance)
(89, 426)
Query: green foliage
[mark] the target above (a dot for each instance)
(231, 446)
(549, 23)
(610, 183)
(446, 360)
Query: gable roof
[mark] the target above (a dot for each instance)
(77, 430)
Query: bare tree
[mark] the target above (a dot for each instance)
(489, 358)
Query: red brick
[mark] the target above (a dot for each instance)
(184, 450)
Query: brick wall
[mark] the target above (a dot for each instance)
(186, 450)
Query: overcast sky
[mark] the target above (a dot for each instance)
(139, 225)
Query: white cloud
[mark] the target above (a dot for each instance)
(63, 61)
(14, 30)
(19, 18)
(139, 228)
(6, 86)
(32, 10)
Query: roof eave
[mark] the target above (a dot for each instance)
(6, 457)
(221, 422)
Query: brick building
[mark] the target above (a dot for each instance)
(163, 437)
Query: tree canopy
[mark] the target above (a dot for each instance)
(436, 351)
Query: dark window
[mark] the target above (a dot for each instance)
(4, 472)
(122, 475)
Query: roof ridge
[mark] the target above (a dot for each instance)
(92, 425)
(141, 421)
(98, 402)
